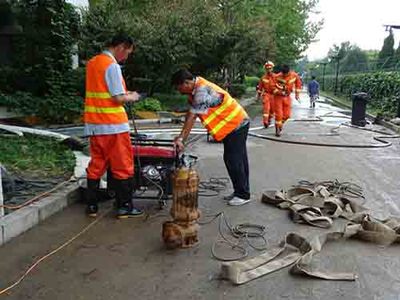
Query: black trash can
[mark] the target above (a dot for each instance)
(359, 109)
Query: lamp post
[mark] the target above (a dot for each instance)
(337, 59)
(323, 74)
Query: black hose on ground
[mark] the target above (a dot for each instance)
(381, 139)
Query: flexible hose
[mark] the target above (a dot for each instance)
(381, 139)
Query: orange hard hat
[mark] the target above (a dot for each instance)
(269, 65)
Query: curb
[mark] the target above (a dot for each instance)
(25, 218)
(384, 123)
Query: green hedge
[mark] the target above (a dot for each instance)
(251, 81)
(382, 87)
(237, 90)
(148, 104)
(63, 103)
(173, 102)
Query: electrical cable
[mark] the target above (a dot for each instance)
(345, 188)
(34, 265)
(213, 186)
(242, 234)
(36, 198)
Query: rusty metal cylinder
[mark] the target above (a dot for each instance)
(185, 195)
(181, 232)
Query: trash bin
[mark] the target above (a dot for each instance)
(359, 109)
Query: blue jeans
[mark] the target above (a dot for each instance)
(236, 162)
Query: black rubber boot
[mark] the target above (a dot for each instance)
(124, 189)
(278, 131)
(91, 197)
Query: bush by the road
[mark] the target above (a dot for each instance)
(382, 87)
(236, 90)
(251, 81)
(62, 103)
(149, 104)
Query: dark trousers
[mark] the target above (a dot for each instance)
(236, 162)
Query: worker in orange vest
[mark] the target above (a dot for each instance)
(106, 124)
(265, 91)
(286, 82)
(225, 120)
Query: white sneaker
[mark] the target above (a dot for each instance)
(236, 201)
(229, 197)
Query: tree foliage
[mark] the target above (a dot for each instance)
(293, 32)
(42, 68)
(355, 60)
(387, 52)
(221, 38)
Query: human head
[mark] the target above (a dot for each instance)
(121, 45)
(268, 66)
(313, 77)
(285, 69)
(183, 81)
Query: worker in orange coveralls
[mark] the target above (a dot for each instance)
(265, 90)
(106, 124)
(286, 82)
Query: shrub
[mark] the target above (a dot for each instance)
(63, 103)
(237, 89)
(173, 102)
(382, 87)
(149, 104)
(251, 81)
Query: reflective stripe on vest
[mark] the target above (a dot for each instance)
(100, 108)
(105, 95)
(224, 118)
(104, 110)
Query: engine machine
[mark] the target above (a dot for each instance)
(155, 161)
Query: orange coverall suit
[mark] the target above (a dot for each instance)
(265, 89)
(284, 86)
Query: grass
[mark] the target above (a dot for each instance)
(36, 157)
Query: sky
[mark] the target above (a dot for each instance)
(357, 21)
(83, 3)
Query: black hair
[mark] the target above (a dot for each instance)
(313, 77)
(285, 69)
(121, 38)
(180, 76)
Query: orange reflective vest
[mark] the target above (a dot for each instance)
(286, 84)
(100, 108)
(224, 118)
(266, 84)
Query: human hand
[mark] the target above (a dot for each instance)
(178, 141)
(132, 96)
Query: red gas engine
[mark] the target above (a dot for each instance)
(155, 161)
